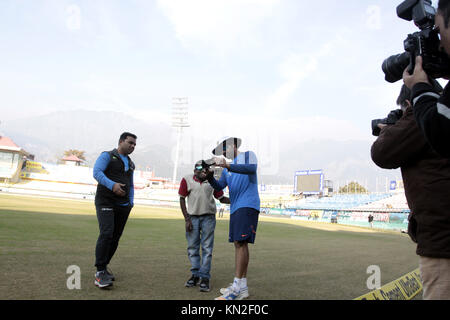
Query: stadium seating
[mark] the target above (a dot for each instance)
(339, 201)
(394, 202)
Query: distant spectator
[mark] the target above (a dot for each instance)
(370, 220)
(221, 210)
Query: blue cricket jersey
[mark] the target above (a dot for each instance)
(100, 166)
(242, 182)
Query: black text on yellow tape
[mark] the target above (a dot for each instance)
(404, 288)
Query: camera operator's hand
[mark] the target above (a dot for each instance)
(221, 162)
(381, 125)
(419, 75)
(209, 173)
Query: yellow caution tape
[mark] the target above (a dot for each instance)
(404, 288)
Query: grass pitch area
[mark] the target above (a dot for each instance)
(40, 238)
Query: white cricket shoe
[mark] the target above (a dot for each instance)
(243, 293)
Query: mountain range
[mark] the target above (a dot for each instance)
(48, 136)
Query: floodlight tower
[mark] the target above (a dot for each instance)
(179, 121)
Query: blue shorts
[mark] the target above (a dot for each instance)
(243, 224)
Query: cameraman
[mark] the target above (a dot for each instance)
(426, 177)
(431, 110)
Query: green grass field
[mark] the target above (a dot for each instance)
(40, 238)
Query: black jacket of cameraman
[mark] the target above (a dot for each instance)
(426, 177)
(432, 113)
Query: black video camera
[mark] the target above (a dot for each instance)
(392, 118)
(423, 43)
(206, 164)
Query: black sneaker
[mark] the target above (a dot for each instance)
(102, 280)
(204, 285)
(192, 282)
(110, 274)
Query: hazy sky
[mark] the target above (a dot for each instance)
(309, 69)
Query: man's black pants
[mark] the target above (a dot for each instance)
(111, 222)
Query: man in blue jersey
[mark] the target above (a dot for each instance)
(114, 198)
(241, 178)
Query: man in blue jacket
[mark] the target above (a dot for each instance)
(114, 198)
(241, 178)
